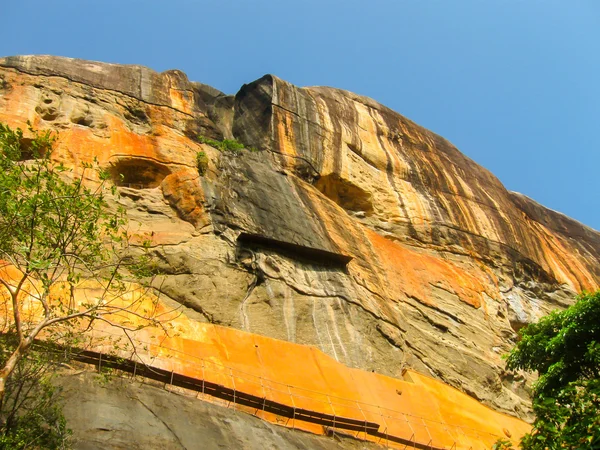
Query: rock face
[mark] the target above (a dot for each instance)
(121, 415)
(351, 228)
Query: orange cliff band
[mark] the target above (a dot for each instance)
(301, 379)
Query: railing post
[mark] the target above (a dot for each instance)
(264, 405)
(364, 417)
(387, 441)
(334, 415)
(171, 383)
(203, 378)
(428, 433)
(412, 439)
(233, 384)
(262, 386)
(386, 427)
(411, 428)
(293, 406)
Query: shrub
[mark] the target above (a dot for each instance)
(31, 409)
(202, 163)
(503, 444)
(226, 145)
(231, 145)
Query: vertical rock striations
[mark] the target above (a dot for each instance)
(410, 182)
(351, 229)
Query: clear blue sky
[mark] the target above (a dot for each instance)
(514, 84)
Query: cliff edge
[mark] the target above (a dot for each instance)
(351, 228)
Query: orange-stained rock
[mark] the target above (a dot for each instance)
(182, 191)
(416, 407)
(444, 263)
(413, 407)
(412, 181)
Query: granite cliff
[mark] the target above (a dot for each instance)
(351, 228)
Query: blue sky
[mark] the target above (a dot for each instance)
(514, 84)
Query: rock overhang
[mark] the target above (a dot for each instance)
(445, 260)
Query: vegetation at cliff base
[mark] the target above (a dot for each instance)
(564, 349)
(31, 412)
(65, 265)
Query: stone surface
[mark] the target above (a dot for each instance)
(446, 264)
(121, 414)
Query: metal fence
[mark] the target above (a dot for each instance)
(291, 406)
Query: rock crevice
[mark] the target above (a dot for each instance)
(372, 238)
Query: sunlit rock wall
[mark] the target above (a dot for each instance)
(121, 415)
(351, 229)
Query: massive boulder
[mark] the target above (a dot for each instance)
(347, 227)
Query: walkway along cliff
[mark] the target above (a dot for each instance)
(351, 231)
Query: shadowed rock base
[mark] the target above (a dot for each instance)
(129, 415)
(440, 263)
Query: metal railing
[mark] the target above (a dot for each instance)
(284, 403)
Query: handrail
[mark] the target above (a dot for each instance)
(242, 398)
(134, 363)
(349, 401)
(218, 390)
(291, 411)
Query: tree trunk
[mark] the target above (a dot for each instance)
(9, 367)
(2, 390)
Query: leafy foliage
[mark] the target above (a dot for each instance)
(502, 444)
(58, 238)
(564, 349)
(202, 163)
(50, 227)
(226, 145)
(31, 412)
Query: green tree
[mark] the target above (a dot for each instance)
(564, 349)
(31, 412)
(57, 235)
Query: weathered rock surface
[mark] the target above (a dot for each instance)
(444, 263)
(121, 414)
